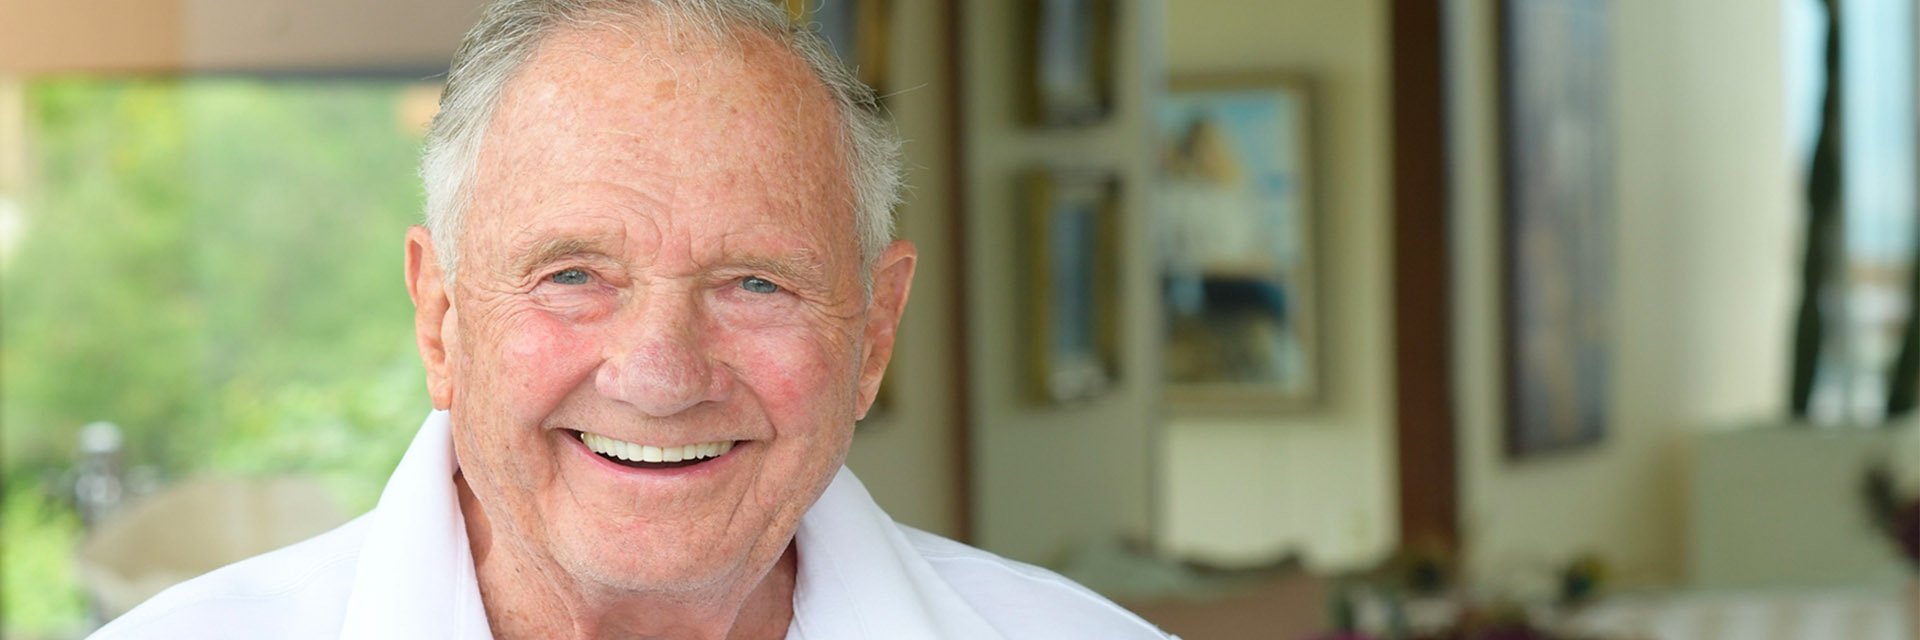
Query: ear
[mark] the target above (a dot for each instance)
(433, 315)
(892, 281)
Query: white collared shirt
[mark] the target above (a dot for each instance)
(404, 570)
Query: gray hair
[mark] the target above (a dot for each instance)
(510, 31)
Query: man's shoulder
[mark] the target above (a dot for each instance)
(297, 591)
(1023, 600)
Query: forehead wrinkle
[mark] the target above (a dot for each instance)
(577, 220)
(670, 126)
(659, 95)
(533, 248)
(803, 263)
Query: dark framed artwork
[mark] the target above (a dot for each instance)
(858, 31)
(1072, 306)
(1235, 214)
(1068, 61)
(1557, 130)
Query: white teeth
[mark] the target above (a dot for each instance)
(649, 453)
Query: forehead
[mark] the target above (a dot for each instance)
(721, 125)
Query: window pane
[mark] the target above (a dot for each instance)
(213, 265)
(1866, 312)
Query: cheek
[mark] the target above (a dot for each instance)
(529, 365)
(795, 372)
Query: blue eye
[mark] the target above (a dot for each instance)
(569, 276)
(758, 284)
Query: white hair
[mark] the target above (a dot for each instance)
(510, 31)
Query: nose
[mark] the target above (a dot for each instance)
(661, 366)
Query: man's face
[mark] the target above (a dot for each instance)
(659, 261)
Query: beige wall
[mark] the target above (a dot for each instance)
(336, 34)
(1704, 237)
(1706, 216)
(41, 35)
(1321, 481)
(1048, 478)
(1772, 508)
(226, 35)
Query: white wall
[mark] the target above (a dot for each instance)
(1706, 248)
(1320, 482)
(1048, 478)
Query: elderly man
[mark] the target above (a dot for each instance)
(655, 290)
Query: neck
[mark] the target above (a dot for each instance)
(527, 595)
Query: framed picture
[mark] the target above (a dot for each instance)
(1072, 301)
(1235, 214)
(856, 29)
(1069, 61)
(1557, 134)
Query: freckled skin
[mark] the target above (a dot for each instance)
(626, 188)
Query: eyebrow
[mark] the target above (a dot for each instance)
(549, 250)
(803, 266)
(800, 266)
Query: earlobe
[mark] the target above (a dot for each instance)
(432, 314)
(892, 283)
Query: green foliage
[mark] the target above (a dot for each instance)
(42, 593)
(214, 265)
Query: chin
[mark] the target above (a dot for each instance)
(627, 562)
(656, 579)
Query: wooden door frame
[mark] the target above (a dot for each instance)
(1425, 435)
(959, 354)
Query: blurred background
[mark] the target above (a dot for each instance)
(1268, 319)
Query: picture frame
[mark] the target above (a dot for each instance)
(1557, 224)
(1072, 294)
(1236, 214)
(859, 31)
(1068, 58)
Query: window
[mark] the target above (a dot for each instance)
(212, 264)
(1868, 306)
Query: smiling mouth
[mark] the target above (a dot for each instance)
(641, 456)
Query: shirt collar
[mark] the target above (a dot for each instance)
(415, 577)
(861, 578)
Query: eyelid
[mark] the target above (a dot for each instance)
(778, 286)
(547, 275)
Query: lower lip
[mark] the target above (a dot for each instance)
(711, 466)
